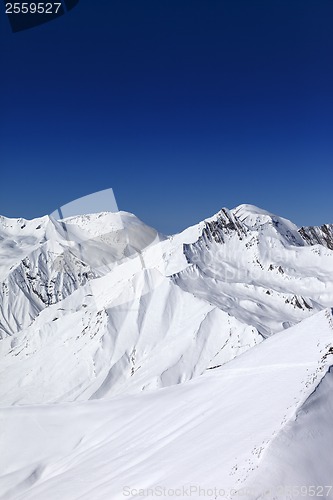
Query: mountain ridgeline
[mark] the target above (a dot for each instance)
(130, 357)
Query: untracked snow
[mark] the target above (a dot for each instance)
(227, 430)
(133, 363)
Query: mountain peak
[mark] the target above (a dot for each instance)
(99, 307)
(255, 216)
(246, 209)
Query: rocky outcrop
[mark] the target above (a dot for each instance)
(318, 235)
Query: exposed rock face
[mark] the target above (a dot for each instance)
(225, 223)
(318, 235)
(254, 264)
(216, 230)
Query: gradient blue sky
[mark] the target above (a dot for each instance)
(181, 106)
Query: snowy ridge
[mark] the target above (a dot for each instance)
(215, 431)
(130, 360)
(145, 333)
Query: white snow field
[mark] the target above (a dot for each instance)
(136, 365)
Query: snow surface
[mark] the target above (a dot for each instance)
(218, 430)
(133, 360)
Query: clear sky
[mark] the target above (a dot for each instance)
(180, 106)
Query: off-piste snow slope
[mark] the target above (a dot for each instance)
(132, 359)
(260, 422)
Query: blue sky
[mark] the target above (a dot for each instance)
(181, 107)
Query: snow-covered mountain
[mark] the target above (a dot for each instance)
(259, 268)
(43, 261)
(201, 358)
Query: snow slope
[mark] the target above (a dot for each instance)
(131, 359)
(244, 425)
(139, 333)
